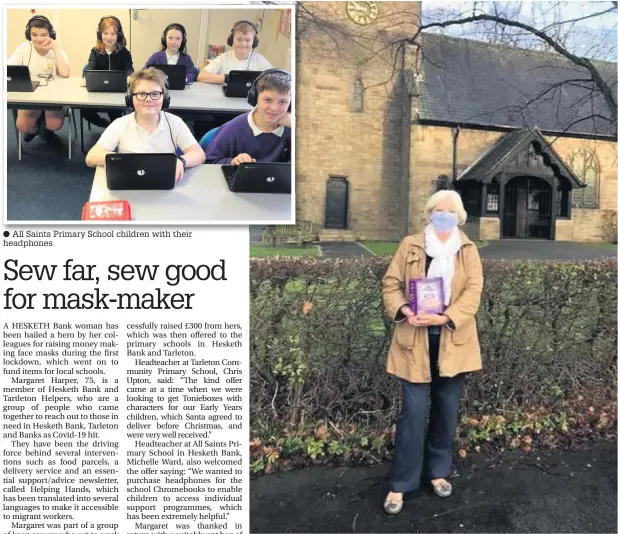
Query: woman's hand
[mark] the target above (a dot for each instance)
(407, 311)
(428, 319)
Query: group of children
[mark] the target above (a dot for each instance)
(262, 134)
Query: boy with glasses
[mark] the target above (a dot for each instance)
(148, 129)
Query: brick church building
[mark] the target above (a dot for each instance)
(521, 134)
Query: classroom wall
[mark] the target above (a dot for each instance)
(76, 29)
(277, 47)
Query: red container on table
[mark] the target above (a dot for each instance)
(109, 210)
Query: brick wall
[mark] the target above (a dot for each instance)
(369, 148)
(432, 155)
(489, 228)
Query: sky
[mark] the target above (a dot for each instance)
(594, 37)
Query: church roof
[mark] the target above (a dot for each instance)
(506, 149)
(477, 83)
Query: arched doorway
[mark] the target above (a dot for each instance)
(336, 215)
(527, 208)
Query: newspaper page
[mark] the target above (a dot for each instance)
(124, 275)
(124, 381)
(134, 164)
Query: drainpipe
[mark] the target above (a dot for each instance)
(455, 134)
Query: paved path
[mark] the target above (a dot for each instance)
(537, 492)
(514, 249)
(342, 250)
(507, 249)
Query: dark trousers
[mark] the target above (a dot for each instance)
(202, 127)
(433, 457)
(92, 115)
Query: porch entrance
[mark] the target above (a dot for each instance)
(527, 208)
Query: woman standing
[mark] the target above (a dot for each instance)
(429, 352)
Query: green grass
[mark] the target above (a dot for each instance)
(267, 251)
(608, 246)
(382, 248)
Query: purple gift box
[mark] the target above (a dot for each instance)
(426, 295)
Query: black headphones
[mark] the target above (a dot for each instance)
(120, 37)
(128, 97)
(179, 27)
(256, 40)
(252, 95)
(50, 28)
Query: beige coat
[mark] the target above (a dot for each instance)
(408, 357)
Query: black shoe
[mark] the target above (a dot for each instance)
(48, 136)
(29, 137)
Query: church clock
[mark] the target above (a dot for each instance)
(362, 13)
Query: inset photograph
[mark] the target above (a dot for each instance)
(150, 115)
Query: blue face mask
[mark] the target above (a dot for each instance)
(443, 221)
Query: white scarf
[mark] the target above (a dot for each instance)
(443, 254)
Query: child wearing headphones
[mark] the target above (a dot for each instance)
(174, 51)
(244, 40)
(110, 53)
(148, 129)
(264, 133)
(44, 57)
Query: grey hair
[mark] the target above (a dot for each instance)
(451, 195)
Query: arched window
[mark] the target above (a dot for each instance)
(585, 166)
(357, 96)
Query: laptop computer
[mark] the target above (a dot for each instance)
(106, 81)
(258, 177)
(140, 171)
(176, 76)
(239, 82)
(18, 79)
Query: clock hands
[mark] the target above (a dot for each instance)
(362, 13)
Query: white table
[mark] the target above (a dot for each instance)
(198, 97)
(202, 196)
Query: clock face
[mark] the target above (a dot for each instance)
(362, 13)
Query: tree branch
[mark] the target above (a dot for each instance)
(582, 62)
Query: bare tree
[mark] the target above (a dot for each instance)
(547, 28)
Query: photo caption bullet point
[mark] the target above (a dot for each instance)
(7, 233)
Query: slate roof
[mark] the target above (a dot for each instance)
(473, 82)
(507, 148)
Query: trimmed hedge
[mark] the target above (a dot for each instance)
(319, 340)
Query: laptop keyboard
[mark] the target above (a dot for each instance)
(229, 171)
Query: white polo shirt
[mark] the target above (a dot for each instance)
(26, 54)
(254, 127)
(227, 61)
(172, 59)
(128, 137)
